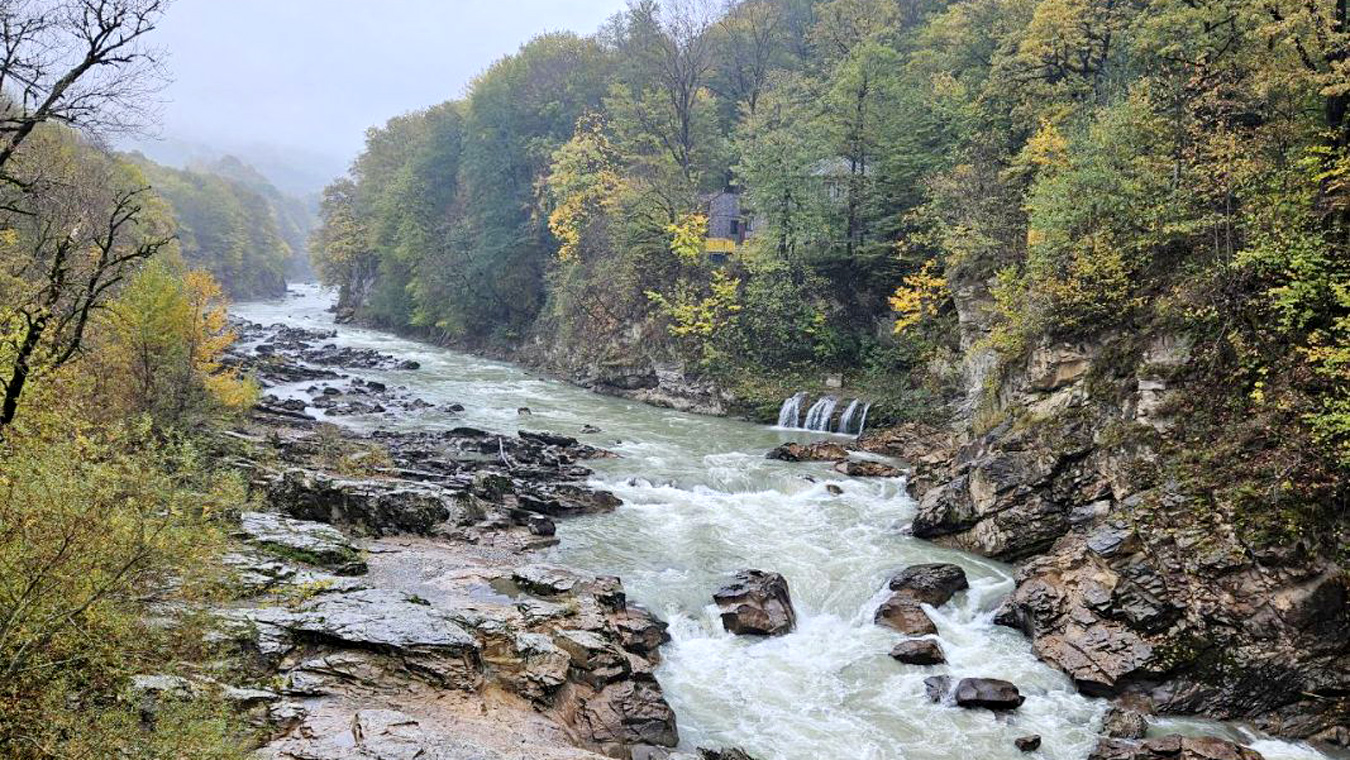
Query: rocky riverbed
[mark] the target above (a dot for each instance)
(435, 576)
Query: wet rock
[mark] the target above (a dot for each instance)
(1028, 743)
(302, 540)
(820, 451)
(549, 439)
(539, 666)
(856, 468)
(545, 580)
(428, 643)
(937, 687)
(919, 652)
(524, 411)
(757, 603)
(988, 693)
(1122, 723)
(834, 489)
(627, 713)
(933, 584)
(640, 631)
(565, 500)
(1172, 748)
(591, 429)
(377, 507)
(903, 614)
(597, 661)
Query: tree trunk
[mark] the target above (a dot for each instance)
(19, 376)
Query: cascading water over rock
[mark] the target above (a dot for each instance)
(821, 417)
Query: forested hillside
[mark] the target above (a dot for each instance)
(926, 195)
(112, 386)
(233, 223)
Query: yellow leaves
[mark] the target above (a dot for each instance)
(1048, 148)
(698, 317)
(921, 295)
(583, 185)
(688, 238)
(168, 334)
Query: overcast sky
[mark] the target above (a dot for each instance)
(309, 76)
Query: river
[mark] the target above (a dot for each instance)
(701, 501)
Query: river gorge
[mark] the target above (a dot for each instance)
(700, 502)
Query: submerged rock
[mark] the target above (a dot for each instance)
(1028, 743)
(756, 604)
(856, 468)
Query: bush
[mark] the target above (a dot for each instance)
(105, 534)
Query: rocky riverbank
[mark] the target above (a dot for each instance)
(1129, 588)
(390, 601)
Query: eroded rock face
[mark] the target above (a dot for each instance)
(1133, 588)
(1172, 748)
(756, 603)
(1010, 495)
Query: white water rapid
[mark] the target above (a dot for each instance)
(701, 501)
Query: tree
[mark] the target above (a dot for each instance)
(82, 63)
(87, 222)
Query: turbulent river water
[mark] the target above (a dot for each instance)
(701, 501)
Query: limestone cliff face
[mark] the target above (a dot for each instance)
(1128, 583)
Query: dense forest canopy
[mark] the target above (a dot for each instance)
(1088, 169)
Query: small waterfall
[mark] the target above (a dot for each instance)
(790, 416)
(818, 418)
(847, 418)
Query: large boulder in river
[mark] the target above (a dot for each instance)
(1173, 748)
(756, 604)
(988, 693)
(903, 614)
(1122, 723)
(919, 652)
(935, 583)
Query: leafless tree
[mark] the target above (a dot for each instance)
(83, 63)
(71, 227)
(749, 36)
(86, 230)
